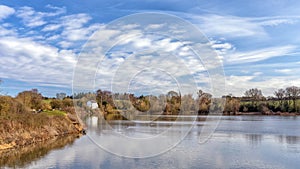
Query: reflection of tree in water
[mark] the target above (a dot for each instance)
(292, 143)
(21, 157)
(254, 139)
(289, 139)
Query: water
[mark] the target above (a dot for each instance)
(238, 142)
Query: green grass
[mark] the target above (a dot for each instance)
(54, 113)
(47, 101)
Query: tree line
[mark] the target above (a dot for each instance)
(284, 100)
(112, 105)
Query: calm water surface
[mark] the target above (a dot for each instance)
(239, 142)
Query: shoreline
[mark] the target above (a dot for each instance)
(54, 127)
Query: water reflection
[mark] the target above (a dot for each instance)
(254, 139)
(241, 142)
(21, 157)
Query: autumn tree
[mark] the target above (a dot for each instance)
(173, 103)
(104, 98)
(31, 99)
(188, 104)
(56, 104)
(232, 105)
(10, 105)
(204, 100)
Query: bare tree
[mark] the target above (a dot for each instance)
(280, 93)
(293, 92)
(255, 95)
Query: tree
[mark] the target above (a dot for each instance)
(204, 100)
(61, 96)
(67, 102)
(31, 99)
(280, 93)
(254, 95)
(293, 93)
(10, 105)
(232, 105)
(56, 104)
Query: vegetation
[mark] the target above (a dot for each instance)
(30, 118)
(284, 102)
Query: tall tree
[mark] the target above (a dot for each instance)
(280, 93)
(255, 95)
(204, 100)
(293, 92)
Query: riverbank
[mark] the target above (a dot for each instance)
(21, 157)
(18, 130)
(266, 114)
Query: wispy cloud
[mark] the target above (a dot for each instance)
(228, 26)
(32, 18)
(283, 70)
(260, 54)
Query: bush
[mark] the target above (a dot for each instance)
(56, 104)
(10, 105)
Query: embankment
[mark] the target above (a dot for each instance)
(18, 130)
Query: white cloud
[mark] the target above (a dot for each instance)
(237, 85)
(51, 27)
(4, 31)
(260, 54)
(283, 70)
(32, 18)
(25, 60)
(277, 22)
(154, 26)
(5, 11)
(228, 26)
(75, 21)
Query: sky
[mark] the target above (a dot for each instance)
(257, 42)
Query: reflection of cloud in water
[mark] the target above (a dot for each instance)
(222, 151)
(227, 148)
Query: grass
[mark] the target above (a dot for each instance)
(47, 101)
(54, 113)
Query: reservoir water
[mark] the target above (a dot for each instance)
(262, 142)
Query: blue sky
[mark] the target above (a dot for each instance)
(257, 41)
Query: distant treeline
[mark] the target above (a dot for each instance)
(173, 103)
(112, 105)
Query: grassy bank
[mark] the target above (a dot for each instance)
(24, 129)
